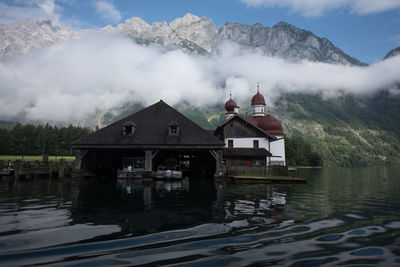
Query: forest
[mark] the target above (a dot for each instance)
(300, 153)
(29, 139)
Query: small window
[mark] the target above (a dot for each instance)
(255, 144)
(230, 143)
(129, 128)
(173, 128)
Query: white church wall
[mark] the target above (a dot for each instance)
(248, 142)
(278, 149)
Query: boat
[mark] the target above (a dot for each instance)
(177, 173)
(130, 172)
(163, 172)
(160, 172)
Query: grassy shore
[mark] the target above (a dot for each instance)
(30, 158)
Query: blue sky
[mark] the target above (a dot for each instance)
(364, 29)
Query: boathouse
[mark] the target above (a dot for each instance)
(156, 135)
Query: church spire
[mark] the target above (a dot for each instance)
(258, 103)
(231, 107)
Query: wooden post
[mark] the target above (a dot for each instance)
(79, 154)
(51, 168)
(45, 158)
(17, 167)
(148, 161)
(36, 166)
(61, 169)
(218, 162)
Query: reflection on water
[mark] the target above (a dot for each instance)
(340, 217)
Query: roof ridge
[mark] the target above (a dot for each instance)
(154, 119)
(122, 119)
(248, 122)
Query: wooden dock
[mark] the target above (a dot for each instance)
(18, 168)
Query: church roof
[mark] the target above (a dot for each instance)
(152, 131)
(258, 99)
(268, 123)
(230, 106)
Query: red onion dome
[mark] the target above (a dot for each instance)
(258, 99)
(270, 125)
(230, 106)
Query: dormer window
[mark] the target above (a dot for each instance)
(173, 128)
(129, 128)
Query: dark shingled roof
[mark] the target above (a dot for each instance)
(152, 131)
(246, 152)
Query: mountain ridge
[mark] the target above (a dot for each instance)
(189, 33)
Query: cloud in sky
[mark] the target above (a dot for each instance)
(107, 10)
(73, 80)
(23, 10)
(312, 8)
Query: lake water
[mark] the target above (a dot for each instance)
(348, 217)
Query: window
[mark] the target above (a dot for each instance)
(230, 143)
(129, 128)
(173, 128)
(255, 144)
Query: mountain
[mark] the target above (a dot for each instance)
(21, 37)
(286, 41)
(201, 35)
(392, 53)
(190, 33)
(347, 130)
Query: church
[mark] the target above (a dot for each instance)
(256, 140)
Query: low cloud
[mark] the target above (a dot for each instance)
(23, 10)
(312, 8)
(68, 82)
(108, 11)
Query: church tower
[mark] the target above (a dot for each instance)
(231, 107)
(258, 104)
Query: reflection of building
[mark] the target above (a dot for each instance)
(256, 140)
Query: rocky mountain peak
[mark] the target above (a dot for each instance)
(186, 20)
(190, 33)
(21, 37)
(136, 21)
